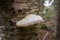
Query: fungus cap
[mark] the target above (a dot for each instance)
(29, 20)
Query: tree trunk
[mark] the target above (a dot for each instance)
(20, 9)
(58, 20)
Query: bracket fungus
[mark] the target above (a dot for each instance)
(29, 20)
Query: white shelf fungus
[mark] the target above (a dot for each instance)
(29, 20)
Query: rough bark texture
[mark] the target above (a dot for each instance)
(20, 9)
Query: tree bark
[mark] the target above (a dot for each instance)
(11, 31)
(58, 21)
